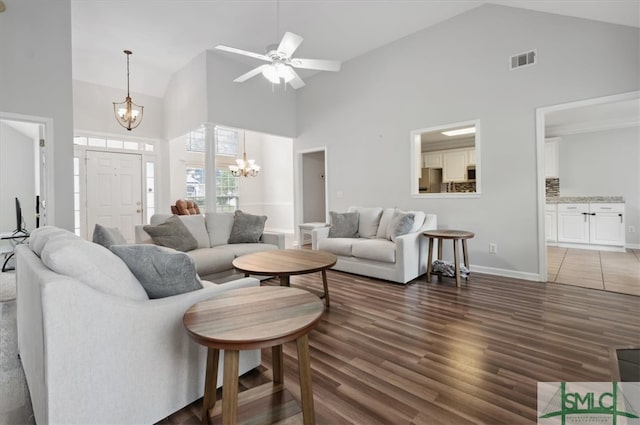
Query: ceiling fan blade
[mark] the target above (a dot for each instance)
(243, 52)
(289, 43)
(250, 74)
(296, 82)
(317, 64)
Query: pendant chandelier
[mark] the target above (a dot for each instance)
(128, 114)
(244, 167)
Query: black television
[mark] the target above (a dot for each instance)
(19, 219)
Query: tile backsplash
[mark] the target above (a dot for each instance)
(552, 186)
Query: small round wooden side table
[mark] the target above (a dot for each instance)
(455, 235)
(248, 319)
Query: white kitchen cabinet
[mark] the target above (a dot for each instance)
(551, 157)
(593, 224)
(432, 160)
(454, 166)
(573, 223)
(606, 224)
(551, 223)
(471, 157)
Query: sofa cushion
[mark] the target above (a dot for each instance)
(107, 236)
(419, 217)
(173, 234)
(344, 225)
(93, 265)
(368, 221)
(337, 246)
(240, 249)
(212, 260)
(162, 272)
(400, 224)
(219, 227)
(196, 226)
(376, 249)
(39, 238)
(247, 228)
(385, 218)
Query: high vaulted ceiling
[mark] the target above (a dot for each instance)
(165, 35)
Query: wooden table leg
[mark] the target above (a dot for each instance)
(456, 261)
(277, 363)
(327, 303)
(465, 256)
(304, 370)
(210, 381)
(284, 280)
(430, 260)
(230, 387)
(440, 249)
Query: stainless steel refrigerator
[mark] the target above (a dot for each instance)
(430, 180)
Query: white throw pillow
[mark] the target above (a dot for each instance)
(368, 221)
(41, 236)
(196, 226)
(93, 265)
(386, 217)
(219, 227)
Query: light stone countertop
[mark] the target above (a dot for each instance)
(585, 199)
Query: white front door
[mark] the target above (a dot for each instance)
(114, 192)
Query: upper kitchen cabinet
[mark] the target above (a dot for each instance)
(454, 167)
(551, 157)
(453, 151)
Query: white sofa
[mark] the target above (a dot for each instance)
(93, 347)
(374, 255)
(214, 255)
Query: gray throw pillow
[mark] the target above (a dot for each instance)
(172, 234)
(400, 224)
(247, 228)
(107, 236)
(344, 225)
(161, 271)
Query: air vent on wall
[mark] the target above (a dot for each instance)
(523, 59)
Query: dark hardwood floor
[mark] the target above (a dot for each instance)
(436, 354)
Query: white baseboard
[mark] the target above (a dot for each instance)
(506, 273)
(632, 246)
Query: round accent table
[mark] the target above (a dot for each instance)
(455, 236)
(287, 262)
(248, 319)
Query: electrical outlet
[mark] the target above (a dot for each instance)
(632, 229)
(339, 194)
(493, 248)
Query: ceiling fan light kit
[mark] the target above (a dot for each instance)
(282, 62)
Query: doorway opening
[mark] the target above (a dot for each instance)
(572, 163)
(312, 199)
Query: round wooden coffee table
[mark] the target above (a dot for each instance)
(455, 235)
(287, 262)
(248, 319)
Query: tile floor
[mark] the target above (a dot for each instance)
(610, 271)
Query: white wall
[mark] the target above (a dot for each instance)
(252, 105)
(453, 72)
(313, 205)
(185, 100)
(17, 178)
(271, 192)
(35, 79)
(93, 111)
(604, 163)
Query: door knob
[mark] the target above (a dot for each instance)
(138, 210)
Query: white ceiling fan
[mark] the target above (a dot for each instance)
(282, 63)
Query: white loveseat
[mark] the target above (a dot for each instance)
(373, 254)
(214, 255)
(93, 347)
